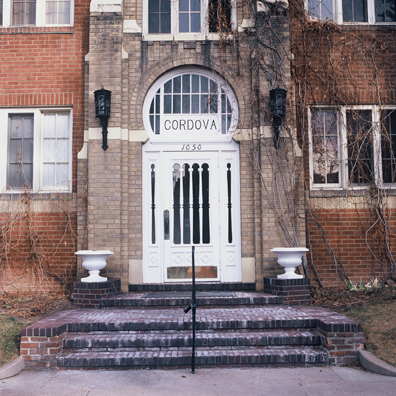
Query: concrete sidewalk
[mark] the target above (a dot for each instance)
(316, 381)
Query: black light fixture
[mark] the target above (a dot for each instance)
(102, 111)
(278, 110)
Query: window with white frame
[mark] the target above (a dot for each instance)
(36, 155)
(190, 105)
(187, 19)
(36, 12)
(352, 147)
(353, 11)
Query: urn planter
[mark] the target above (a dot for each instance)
(290, 258)
(94, 261)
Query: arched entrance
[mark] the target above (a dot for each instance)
(191, 180)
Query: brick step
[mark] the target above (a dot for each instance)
(179, 358)
(183, 339)
(200, 286)
(204, 299)
(175, 319)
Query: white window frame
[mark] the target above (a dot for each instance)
(338, 17)
(38, 121)
(343, 149)
(183, 137)
(40, 15)
(174, 35)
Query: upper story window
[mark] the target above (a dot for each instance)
(36, 154)
(36, 12)
(352, 147)
(187, 19)
(353, 11)
(192, 105)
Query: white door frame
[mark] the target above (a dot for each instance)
(227, 155)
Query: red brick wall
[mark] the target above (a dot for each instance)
(345, 232)
(37, 251)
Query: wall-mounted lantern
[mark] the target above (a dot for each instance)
(102, 111)
(278, 110)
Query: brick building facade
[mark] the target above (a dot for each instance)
(41, 91)
(192, 157)
(344, 74)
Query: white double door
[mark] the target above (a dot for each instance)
(191, 198)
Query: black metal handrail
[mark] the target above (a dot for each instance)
(192, 306)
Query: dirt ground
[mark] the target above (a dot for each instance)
(29, 307)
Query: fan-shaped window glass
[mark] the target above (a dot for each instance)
(192, 104)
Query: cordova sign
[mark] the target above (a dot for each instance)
(190, 123)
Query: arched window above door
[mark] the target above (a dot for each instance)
(190, 105)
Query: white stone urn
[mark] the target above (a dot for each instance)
(290, 258)
(94, 261)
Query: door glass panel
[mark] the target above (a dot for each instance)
(153, 204)
(186, 204)
(204, 272)
(229, 203)
(205, 204)
(195, 181)
(176, 204)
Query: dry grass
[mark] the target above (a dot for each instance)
(374, 309)
(378, 320)
(10, 331)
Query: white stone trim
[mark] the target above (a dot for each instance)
(131, 26)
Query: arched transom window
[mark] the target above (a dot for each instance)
(190, 105)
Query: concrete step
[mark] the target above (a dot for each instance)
(179, 358)
(183, 339)
(177, 299)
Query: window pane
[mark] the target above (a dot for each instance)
(154, 23)
(165, 23)
(176, 104)
(165, 6)
(63, 150)
(48, 175)
(64, 13)
(195, 22)
(385, 10)
(195, 5)
(50, 12)
(62, 172)
(359, 141)
(321, 9)
(1, 12)
(184, 5)
(186, 104)
(325, 160)
(195, 104)
(49, 126)
(20, 152)
(388, 146)
(195, 83)
(177, 85)
(184, 23)
(63, 125)
(354, 10)
(153, 5)
(49, 150)
(168, 87)
(186, 83)
(159, 16)
(204, 84)
(167, 104)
